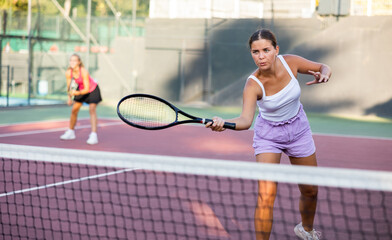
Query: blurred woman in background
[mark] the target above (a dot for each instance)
(86, 91)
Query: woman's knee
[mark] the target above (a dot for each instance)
(75, 109)
(309, 191)
(267, 199)
(267, 192)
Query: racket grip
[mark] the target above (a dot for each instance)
(227, 125)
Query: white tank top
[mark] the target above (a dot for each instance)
(284, 104)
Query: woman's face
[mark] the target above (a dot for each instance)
(263, 53)
(74, 62)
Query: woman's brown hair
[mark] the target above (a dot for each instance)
(263, 34)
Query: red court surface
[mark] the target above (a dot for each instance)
(196, 141)
(52, 212)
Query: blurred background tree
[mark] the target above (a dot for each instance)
(99, 8)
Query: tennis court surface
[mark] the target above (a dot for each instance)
(181, 183)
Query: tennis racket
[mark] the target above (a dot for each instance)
(153, 113)
(73, 86)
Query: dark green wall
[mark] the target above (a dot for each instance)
(210, 58)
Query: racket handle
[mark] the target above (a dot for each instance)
(228, 125)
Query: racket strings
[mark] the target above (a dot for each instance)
(73, 86)
(147, 112)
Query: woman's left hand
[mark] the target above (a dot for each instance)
(318, 78)
(69, 102)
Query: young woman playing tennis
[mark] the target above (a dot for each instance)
(87, 92)
(281, 126)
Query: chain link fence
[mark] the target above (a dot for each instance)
(52, 40)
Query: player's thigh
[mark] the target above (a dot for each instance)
(267, 189)
(268, 157)
(92, 107)
(305, 161)
(307, 190)
(76, 107)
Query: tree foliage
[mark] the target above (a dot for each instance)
(99, 8)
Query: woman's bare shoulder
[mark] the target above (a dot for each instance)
(292, 58)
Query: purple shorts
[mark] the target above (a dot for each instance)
(293, 136)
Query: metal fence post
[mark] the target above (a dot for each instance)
(8, 85)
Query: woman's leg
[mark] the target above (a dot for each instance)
(74, 114)
(265, 199)
(93, 117)
(308, 200)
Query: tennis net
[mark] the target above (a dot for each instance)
(52, 193)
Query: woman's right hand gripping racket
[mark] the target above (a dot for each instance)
(153, 113)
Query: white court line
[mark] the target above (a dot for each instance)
(55, 130)
(352, 136)
(66, 182)
(54, 120)
(35, 122)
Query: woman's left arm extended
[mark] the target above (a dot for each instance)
(320, 71)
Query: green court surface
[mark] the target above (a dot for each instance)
(320, 123)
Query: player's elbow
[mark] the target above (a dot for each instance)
(248, 126)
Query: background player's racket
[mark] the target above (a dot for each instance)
(152, 113)
(73, 86)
